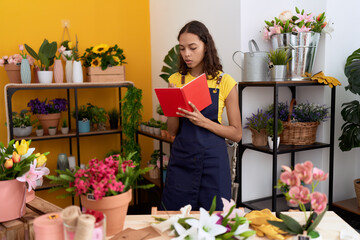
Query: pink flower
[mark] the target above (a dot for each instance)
(227, 205)
(285, 15)
(266, 34)
(302, 29)
(305, 17)
(31, 60)
(61, 49)
(21, 47)
(290, 178)
(2, 62)
(32, 175)
(319, 175)
(5, 57)
(304, 171)
(299, 194)
(318, 202)
(275, 29)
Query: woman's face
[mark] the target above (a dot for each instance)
(192, 51)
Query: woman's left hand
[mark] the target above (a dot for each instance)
(195, 117)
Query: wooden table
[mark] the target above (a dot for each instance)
(22, 228)
(329, 227)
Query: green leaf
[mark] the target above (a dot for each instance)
(171, 59)
(31, 52)
(291, 223)
(297, 10)
(44, 60)
(282, 226)
(313, 234)
(317, 220)
(213, 206)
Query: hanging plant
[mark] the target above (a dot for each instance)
(131, 117)
(172, 63)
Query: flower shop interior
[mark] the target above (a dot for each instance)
(146, 30)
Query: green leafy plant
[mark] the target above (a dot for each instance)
(97, 114)
(52, 127)
(114, 116)
(131, 118)
(350, 137)
(64, 123)
(154, 157)
(67, 44)
(159, 110)
(172, 63)
(279, 56)
(75, 50)
(39, 127)
(163, 126)
(83, 113)
(22, 119)
(112, 152)
(45, 56)
(270, 127)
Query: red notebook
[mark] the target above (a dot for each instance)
(196, 91)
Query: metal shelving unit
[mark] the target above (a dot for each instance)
(11, 89)
(271, 202)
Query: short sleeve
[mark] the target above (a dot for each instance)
(227, 84)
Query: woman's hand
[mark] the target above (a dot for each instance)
(195, 117)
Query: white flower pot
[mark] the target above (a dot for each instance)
(77, 74)
(39, 132)
(22, 132)
(65, 130)
(271, 144)
(157, 131)
(52, 131)
(45, 76)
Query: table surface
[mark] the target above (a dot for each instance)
(330, 226)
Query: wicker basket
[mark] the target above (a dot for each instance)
(357, 190)
(298, 133)
(258, 139)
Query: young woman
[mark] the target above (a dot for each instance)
(199, 165)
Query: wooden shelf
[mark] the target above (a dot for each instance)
(46, 185)
(158, 137)
(349, 205)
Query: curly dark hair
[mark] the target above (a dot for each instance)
(211, 59)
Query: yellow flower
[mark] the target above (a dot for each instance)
(9, 163)
(23, 147)
(100, 48)
(15, 157)
(40, 159)
(96, 62)
(70, 45)
(116, 59)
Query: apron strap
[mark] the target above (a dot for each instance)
(182, 79)
(218, 82)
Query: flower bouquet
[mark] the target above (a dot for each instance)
(227, 225)
(306, 173)
(104, 63)
(18, 167)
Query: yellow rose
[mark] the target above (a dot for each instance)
(9, 163)
(15, 157)
(40, 160)
(23, 147)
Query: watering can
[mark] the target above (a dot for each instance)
(255, 65)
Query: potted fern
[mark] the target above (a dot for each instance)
(277, 63)
(114, 116)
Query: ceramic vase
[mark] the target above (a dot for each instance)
(84, 126)
(114, 207)
(58, 71)
(45, 76)
(62, 162)
(271, 142)
(77, 74)
(68, 71)
(13, 73)
(25, 71)
(12, 200)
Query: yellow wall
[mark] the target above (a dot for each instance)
(121, 22)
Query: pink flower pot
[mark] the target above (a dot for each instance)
(12, 200)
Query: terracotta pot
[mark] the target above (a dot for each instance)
(259, 139)
(13, 72)
(12, 200)
(49, 120)
(114, 207)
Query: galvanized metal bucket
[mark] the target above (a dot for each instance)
(303, 47)
(255, 66)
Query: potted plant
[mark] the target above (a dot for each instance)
(45, 58)
(19, 170)
(12, 66)
(67, 54)
(52, 130)
(143, 126)
(48, 112)
(39, 131)
(162, 117)
(77, 71)
(257, 125)
(277, 62)
(64, 127)
(97, 116)
(83, 117)
(307, 173)
(120, 176)
(104, 63)
(154, 172)
(270, 132)
(152, 124)
(163, 129)
(156, 126)
(114, 116)
(22, 125)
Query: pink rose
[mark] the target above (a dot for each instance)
(304, 171)
(2, 62)
(285, 15)
(61, 49)
(11, 60)
(318, 202)
(5, 57)
(299, 194)
(290, 178)
(319, 175)
(21, 47)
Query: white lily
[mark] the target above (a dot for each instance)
(207, 226)
(189, 234)
(26, 155)
(166, 225)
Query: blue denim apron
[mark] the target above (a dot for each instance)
(199, 165)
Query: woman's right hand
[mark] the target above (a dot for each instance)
(171, 85)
